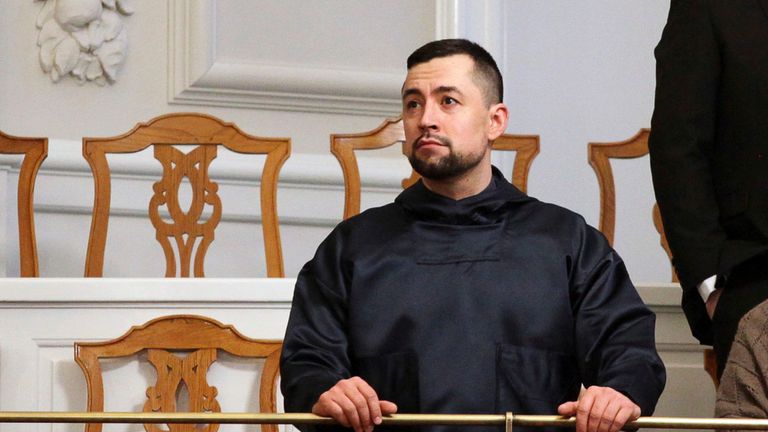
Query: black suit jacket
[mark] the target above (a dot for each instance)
(709, 140)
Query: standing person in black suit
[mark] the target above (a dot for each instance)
(709, 159)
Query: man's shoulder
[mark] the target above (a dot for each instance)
(370, 216)
(542, 212)
(371, 222)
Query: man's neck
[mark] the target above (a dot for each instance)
(463, 186)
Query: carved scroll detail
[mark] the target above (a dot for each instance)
(174, 372)
(186, 227)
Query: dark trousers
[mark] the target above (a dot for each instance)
(747, 286)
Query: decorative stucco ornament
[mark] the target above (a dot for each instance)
(84, 38)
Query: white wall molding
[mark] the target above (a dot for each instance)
(68, 293)
(196, 76)
(446, 19)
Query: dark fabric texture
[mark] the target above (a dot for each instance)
(709, 141)
(493, 303)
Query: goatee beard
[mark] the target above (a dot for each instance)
(452, 165)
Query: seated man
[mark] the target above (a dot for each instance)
(465, 295)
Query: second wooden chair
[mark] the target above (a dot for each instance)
(189, 230)
(391, 132)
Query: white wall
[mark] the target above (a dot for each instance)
(580, 72)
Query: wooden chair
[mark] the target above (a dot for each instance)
(600, 155)
(35, 150)
(207, 133)
(599, 158)
(200, 338)
(390, 132)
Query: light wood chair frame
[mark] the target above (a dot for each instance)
(179, 333)
(600, 155)
(174, 129)
(35, 150)
(390, 132)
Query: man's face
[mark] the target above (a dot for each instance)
(447, 121)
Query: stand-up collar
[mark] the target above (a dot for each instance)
(486, 207)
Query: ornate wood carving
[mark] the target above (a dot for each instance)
(206, 133)
(173, 373)
(599, 158)
(186, 228)
(35, 150)
(390, 132)
(200, 338)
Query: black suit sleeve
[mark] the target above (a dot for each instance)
(683, 128)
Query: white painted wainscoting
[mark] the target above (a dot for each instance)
(40, 319)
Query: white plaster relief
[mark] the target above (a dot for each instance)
(84, 38)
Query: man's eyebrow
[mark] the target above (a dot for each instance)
(447, 89)
(410, 91)
(441, 89)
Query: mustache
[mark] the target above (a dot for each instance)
(442, 140)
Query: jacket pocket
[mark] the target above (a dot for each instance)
(395, 377)
(534, 381)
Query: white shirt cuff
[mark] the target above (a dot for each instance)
(707, 287)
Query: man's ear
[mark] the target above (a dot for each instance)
(498, 116)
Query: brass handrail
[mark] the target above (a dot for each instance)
(392, 420)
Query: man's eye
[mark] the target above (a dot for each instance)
(449, 100)
(412, 104)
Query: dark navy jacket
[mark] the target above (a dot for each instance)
(493, 303)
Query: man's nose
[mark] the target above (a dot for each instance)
(429, 117)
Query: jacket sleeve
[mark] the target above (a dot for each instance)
(315, 355)
(682, 140)
(614, 330)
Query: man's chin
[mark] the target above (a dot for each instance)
(434, 171)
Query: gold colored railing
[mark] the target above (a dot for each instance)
(509, 420)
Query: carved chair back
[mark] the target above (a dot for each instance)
(188, 230)
(390, 132)
(35, 150)
(163, 339)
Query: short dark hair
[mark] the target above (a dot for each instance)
(485, 66)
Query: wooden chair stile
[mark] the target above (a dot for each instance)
(35, 150)
(207, 133)
(390, 132)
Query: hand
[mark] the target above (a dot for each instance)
(600, 409)
(353, 403)
(712, 302)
